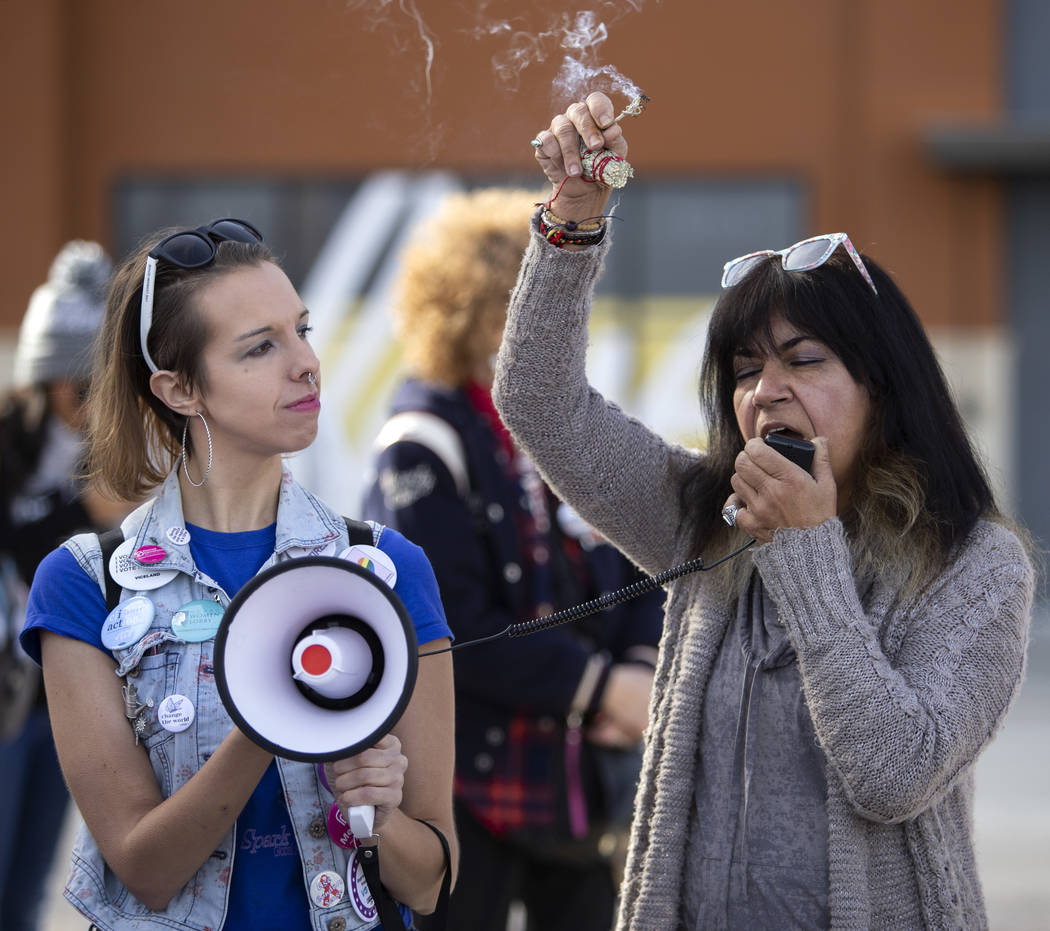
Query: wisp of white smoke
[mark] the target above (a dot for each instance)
(581, 73)
(577, 37)
(380, 10)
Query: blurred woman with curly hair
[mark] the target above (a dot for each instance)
(538, 721)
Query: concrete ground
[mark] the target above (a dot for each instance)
(1012, 817)
(1012, 812)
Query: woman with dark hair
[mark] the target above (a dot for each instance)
(820, 700)
(921, 478)
(205, 379)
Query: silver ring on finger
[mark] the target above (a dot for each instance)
(729, 513)
(536, 143)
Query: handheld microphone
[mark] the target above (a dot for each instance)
(796, 449)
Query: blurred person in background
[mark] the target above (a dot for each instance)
(821, 700)
(548, 727)
(43, 500)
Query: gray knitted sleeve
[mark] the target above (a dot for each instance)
(620, 476)
(898, 734)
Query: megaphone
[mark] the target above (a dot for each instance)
(316, 659)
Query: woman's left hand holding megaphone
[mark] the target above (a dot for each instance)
(368, 785)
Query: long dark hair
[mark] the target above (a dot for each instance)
(921, 488)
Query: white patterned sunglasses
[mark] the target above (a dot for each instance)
(801, 257)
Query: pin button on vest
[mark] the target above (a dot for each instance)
(327, 889)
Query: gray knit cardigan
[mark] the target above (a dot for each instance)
(904, 694)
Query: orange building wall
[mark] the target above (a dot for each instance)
(833, 92)
(32, 149)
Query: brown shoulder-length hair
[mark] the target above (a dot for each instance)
(133, 437)
(920, 487)
(456, 277)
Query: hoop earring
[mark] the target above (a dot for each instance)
(185, 455)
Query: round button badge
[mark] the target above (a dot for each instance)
(127, 572)
(175, 713)
(327, 889)
(360, 895)
(180, 536)
(150, 554)
(197, 621)
(373, 559)
(127, 622)
(338, 829)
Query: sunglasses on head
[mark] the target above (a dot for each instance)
(801, 257)
(191, 248)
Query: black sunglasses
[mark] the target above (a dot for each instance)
(191, 248)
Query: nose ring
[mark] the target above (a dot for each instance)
(310, 377)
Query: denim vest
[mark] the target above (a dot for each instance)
(162, 664)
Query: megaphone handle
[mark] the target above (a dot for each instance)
(361, 818)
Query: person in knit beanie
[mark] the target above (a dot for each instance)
(65, 312)
(42, 501)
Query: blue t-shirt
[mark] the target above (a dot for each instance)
(266, 886)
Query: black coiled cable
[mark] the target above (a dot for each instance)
(603, 601)
(606, 600)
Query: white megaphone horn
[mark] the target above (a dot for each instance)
(315, 660)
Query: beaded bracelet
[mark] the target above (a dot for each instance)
(590, 225)
(562, 236)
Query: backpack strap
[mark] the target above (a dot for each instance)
(108, 543)
(359, 532)
(433, 432)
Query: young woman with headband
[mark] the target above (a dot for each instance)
(206, 378)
